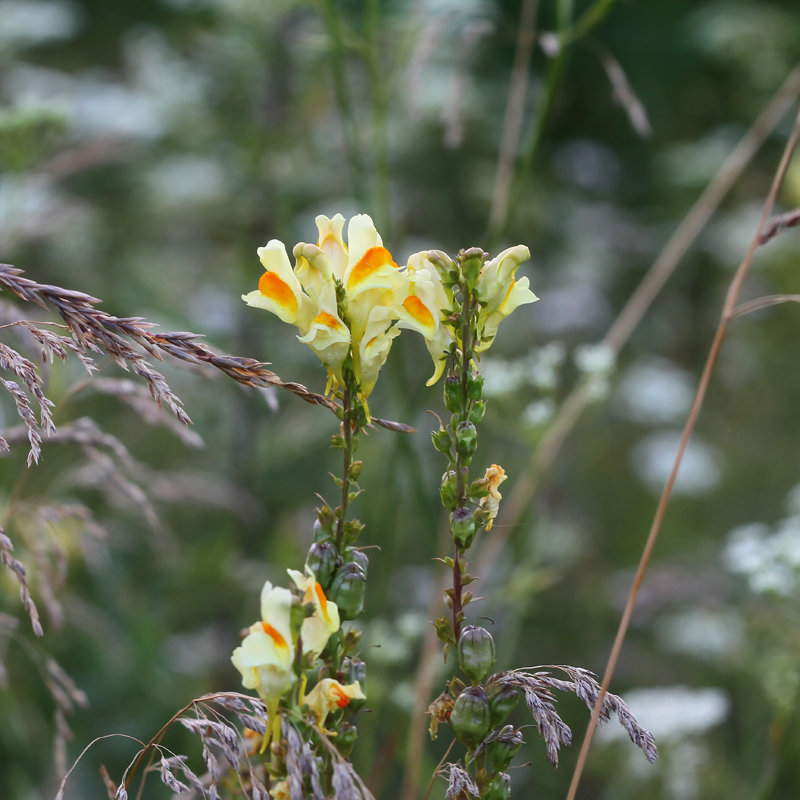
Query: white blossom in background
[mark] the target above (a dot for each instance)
(769, 559)
(538, 413)
(32, 22)
(654, 391)
(700, 469)
(705, 633)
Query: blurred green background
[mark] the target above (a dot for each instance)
(148, 147)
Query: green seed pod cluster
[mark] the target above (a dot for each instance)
(469, 718)
(476, 654)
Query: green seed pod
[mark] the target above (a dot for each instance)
(348, 590)
(469, 718)
(442, 440)
(476, 652)
(504, 748)
(502, 701)
(323, 560)
(498, 788)
(448, 490)
(354, 472)
(462, 526)
(326, 520)
(466, 438)
(475, 386)
(452, 394)
(354, 669)
(362, 559)
(477, 412)
(345, 739)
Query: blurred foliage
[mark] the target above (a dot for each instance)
(148, 148)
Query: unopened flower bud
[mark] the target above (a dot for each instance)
(476, 652)
(499, 787)
(472, 261)
(469, 718)
(445, 265)
(348, 590)
(466, 439)
(462, 526)
(452, 394)
(504, 748)
(502, 700)
(322, 560)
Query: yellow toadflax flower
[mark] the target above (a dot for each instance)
(306, 296)
(266, 654)
(423, 298)
(501, 292)
(329, 695)
(420, 308)
(280, 791)
(494, 476)
(317, 628)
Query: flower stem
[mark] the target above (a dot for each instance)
(347, 460)
(462, 470)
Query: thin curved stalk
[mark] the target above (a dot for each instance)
(728, 313)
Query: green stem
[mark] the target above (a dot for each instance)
(462, 470)
(347, 460)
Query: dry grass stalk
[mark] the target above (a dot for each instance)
(779, 224)
(728, 313)
(667, 261)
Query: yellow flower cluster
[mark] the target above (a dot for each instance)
(380, 297)
(266, 655)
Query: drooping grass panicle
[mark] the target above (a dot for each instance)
(460, 784)
(537, 689)
(8, 560)
(97, 331)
